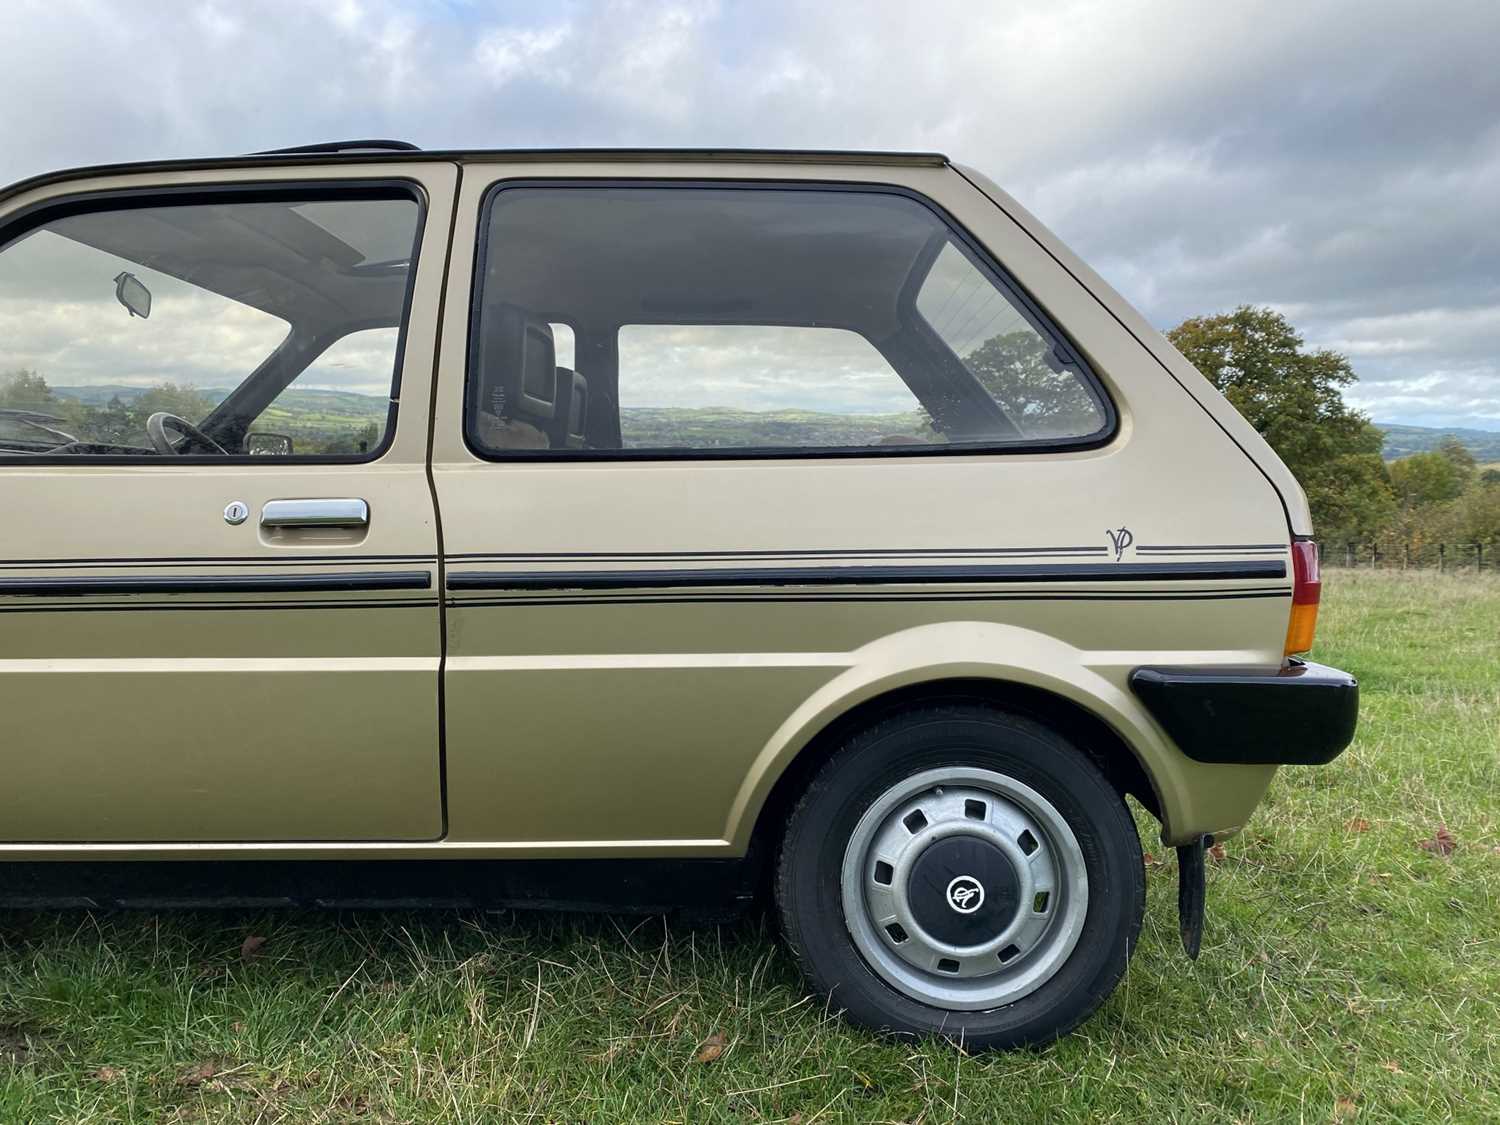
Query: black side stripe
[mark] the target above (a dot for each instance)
(861, 599)
(821, 553)
(834, 554)
(853, 575)
(1209, 548)
(92, 606)
(215, 560)
(300, 563)
(217, 583)
(605, 596)
(621, 556)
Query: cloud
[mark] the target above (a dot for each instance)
(507, 54)
(1340, 159)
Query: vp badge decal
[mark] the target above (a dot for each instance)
(1120, 540)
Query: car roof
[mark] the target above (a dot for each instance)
(386, 151)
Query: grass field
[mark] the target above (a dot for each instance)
(1349, 973)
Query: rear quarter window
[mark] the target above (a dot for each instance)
(672, 320)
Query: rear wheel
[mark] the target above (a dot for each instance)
(962, 872)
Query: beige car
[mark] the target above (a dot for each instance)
(634, 530)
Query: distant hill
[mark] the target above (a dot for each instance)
(298, 400)
(311, 402)
(1400, 441)
(107, 392)
(718, 427)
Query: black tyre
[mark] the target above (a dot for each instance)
(962, 872)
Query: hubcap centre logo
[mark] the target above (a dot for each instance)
(965, 894)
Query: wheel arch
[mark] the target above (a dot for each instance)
(1104, 745)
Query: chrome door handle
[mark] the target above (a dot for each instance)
(315, 513)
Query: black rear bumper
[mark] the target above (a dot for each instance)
(1303, 714)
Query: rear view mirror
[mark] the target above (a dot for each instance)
(268, 445)
(131, 292)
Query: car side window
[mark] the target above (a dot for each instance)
(233, 325)
(754, 320)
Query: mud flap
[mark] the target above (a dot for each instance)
(1191, 894)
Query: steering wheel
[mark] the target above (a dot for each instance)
(156, 430)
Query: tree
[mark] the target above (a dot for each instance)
(183, 400)
(1294, 397)
(118, 422)
(1040, 395)
(1459, 457)
(1422, 479)
(25, 390)
(1479, 513)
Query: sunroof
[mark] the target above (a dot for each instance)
(367, 230)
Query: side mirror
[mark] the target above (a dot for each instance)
(268, 445)
(131, 292)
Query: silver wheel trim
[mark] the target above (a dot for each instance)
(1007, 967)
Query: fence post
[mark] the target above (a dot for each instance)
(1478, 556)
(1406, 556)
(1374, 555)
(1349, 553)
(1442, 556)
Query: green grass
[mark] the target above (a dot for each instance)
(1347, 974)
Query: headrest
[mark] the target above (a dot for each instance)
(570, 428)
(518, 373)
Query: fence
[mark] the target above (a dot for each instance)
(1452, 558)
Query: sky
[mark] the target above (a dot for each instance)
(1337, 161)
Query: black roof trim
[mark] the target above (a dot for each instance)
(706, 156)
(344, 146)
(340, 152)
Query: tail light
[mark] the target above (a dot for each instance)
(1307, 587)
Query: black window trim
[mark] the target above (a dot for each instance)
(960, 235)
(37, 214)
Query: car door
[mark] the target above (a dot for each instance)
(218, 614)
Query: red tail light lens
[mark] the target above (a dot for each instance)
(1307, 588)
